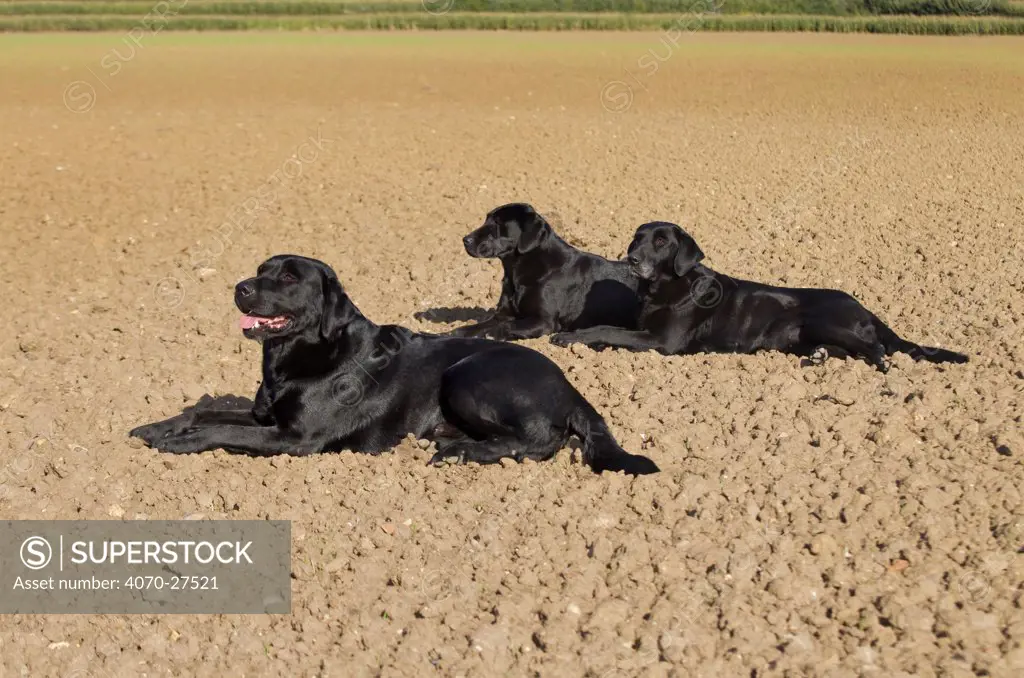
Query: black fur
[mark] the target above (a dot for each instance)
(333, 380)
(689, 309)
(547, 285)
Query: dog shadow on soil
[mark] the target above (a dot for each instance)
(453, 314)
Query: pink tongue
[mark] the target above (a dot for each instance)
(247, 322)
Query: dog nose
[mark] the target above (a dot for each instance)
(468, 241)
(244, 289)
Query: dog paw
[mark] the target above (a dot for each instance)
(142, 432)
(818, 357)
(152, 433)
(181, 442)
(149, 433)
(445, 457)
(561, 338)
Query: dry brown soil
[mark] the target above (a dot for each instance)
(826, 520)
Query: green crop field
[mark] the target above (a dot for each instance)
(932, 17)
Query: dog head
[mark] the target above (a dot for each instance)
(290, 296)
(515, 228)
(660, 249)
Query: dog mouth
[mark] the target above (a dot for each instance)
(261, 325)
(483, 250)
(642, 270)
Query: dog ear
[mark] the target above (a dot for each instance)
(688, 255)
(534, 229)
(338, 311)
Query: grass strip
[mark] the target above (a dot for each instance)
(908, 25)
(813, 8)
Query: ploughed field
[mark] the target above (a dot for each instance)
(810, 520)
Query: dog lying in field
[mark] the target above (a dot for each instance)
(690, 309)
(547, 285)
(333, 380)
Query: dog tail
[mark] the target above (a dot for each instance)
(894, 343)
(600, 451)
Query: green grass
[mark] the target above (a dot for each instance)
(916, 17)
(342, 7)
(911, 25)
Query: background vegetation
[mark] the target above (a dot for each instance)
(944, 17)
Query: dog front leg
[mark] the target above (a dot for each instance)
(262, 441)
(479, 329)
(153, 433)
(605, 336)
(521, 328)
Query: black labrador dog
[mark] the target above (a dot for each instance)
(333, 380)
(689, 309)
(548, 285)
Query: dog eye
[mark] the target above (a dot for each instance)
(660, 241)
(289, 278)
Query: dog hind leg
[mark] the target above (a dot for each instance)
(860, 341)
(498, 415)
